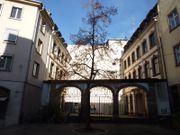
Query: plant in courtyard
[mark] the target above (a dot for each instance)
(94, 35)
(51, 113)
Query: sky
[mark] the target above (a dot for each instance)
(68, 14)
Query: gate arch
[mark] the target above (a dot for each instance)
(101, 101)
(133, 85)
(133, 100)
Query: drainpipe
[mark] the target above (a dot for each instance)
(161, 52)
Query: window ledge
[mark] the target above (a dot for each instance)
(18, 19)
(9, 42)
(170, 30)
(5, 70)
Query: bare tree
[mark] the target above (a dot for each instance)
(94, 35)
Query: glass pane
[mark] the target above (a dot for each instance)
(19, 13)
(0, 6)
(177, 54)
(177, 20)
(34, 69)
(13, 12)
(2, 61)
(8, 63)
(12, 37)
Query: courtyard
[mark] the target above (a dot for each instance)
(101, 129)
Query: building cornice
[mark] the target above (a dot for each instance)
(29, 2)
(142, 27)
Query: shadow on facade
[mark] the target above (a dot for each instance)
(22, 75)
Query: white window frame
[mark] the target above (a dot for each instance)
(177, 54)
(16, 12)
(43, 27)
(36, 69)
(173, 24)
(7, 36)
(39, 46)
(1, 7)
(5, 68)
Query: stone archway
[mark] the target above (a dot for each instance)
(72, 100)
(151, 86)
(101, 101)
(133, 101)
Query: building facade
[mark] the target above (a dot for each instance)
(31, 51)
(142, 60)
(169, 31)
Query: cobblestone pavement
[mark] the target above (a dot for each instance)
(100, 129)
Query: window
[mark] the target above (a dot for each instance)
(51, 69)
(147, 70)
(62, 57)
(177, 54)
(133, 57)
(134, 74)
(0, 7)
(129, 76)
(57, 73)
(129, 62)
(144, 47)
(55, 49)
(5, 63)
(140, 72)
(39, 46)
(43, 27)
(59, 52)
(35, 69)
(155, 64)
(125, 66)
(138, 52)
(152, 39)
(16, 13)
(173, 19)
(11, 36)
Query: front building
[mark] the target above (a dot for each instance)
(142, 60)
(31, 51)
(169, 29)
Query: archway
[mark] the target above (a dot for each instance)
(101, 101)
(133, 102)
(4, 97)
(71, 101)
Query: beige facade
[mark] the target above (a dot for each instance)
(31, 51)
(142, 60)
(169, 29)
(141, 57)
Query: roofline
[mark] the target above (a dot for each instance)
(29, 2)
(107, 80)
(141, 27)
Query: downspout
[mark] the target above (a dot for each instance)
(161, 51)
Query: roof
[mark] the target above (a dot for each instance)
(144, 24)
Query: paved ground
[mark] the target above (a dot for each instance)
(101, 129)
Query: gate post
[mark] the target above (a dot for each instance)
(152, 102)
(115, 106)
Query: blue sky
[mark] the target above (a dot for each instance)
(68, 15)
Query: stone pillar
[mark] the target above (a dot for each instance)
(54, 97)
(85, 105)
(152, 102)
(134, 103)
(115, 106)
